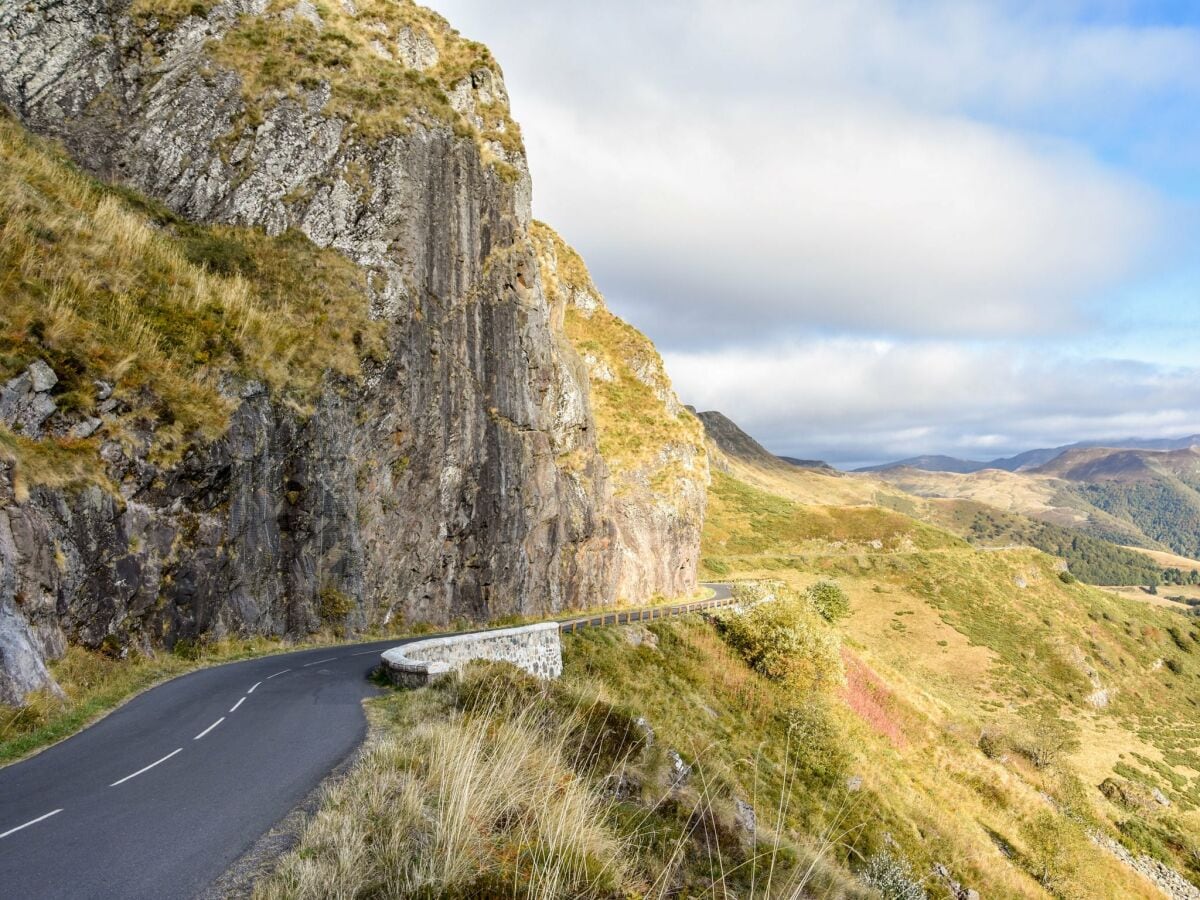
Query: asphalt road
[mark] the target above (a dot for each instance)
(157, 800)
(160, 798)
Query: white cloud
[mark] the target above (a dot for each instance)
(835, 213)
(766, 164)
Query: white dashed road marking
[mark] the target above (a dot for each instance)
(277, 674)
(236, 705)
(209, 728)
(367, 652)
(256, 684)
(147, 769)
(30, 822)
(318, 662)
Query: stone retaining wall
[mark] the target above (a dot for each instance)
(534, 648)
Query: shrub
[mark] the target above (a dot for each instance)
(1052, 853)
(333, 606)
(785, 640)
(829, 599)
(1045, 740)
(1066, 577)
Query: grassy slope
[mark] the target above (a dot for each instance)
(963, 648)
(105, 285)
(949, 651)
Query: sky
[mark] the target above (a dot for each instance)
(871, 229)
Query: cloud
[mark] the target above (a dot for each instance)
(835, 214)
(775, 165)
(855, 400)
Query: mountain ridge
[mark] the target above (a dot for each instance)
(1029, 458)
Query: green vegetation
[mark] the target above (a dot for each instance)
(784, 639)
(104, 285)
(1165, 509)
(829, 599)
(1090, 559)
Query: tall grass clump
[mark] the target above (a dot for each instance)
(497, 785)
(486, 799)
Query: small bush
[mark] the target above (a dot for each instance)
(1066, 577)
(1046, 740)
(785, 641)
(830, 600)
(333, 606)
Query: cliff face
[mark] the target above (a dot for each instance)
(652, 444)
(455, 472)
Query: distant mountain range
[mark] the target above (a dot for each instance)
(1030, 459)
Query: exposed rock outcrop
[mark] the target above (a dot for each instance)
(652, 444)
(459, 476)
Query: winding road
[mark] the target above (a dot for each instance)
(160, 798)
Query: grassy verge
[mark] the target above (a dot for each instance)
(498, 785)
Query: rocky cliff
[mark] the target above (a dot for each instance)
(443, 461)
(653, 446)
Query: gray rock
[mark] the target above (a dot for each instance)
(104, 390)
(745, 817)
(86, 428)
(42, 376)
(25, 403)
(680, 772)
(1163, 877)
(854, 783)
(1159, 797)
(647, 732)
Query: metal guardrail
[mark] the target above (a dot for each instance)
(571, 626)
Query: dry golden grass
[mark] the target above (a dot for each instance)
(1168, 560)
(807, 485)
(104, 285)
(481, 804)
(1010, 491)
